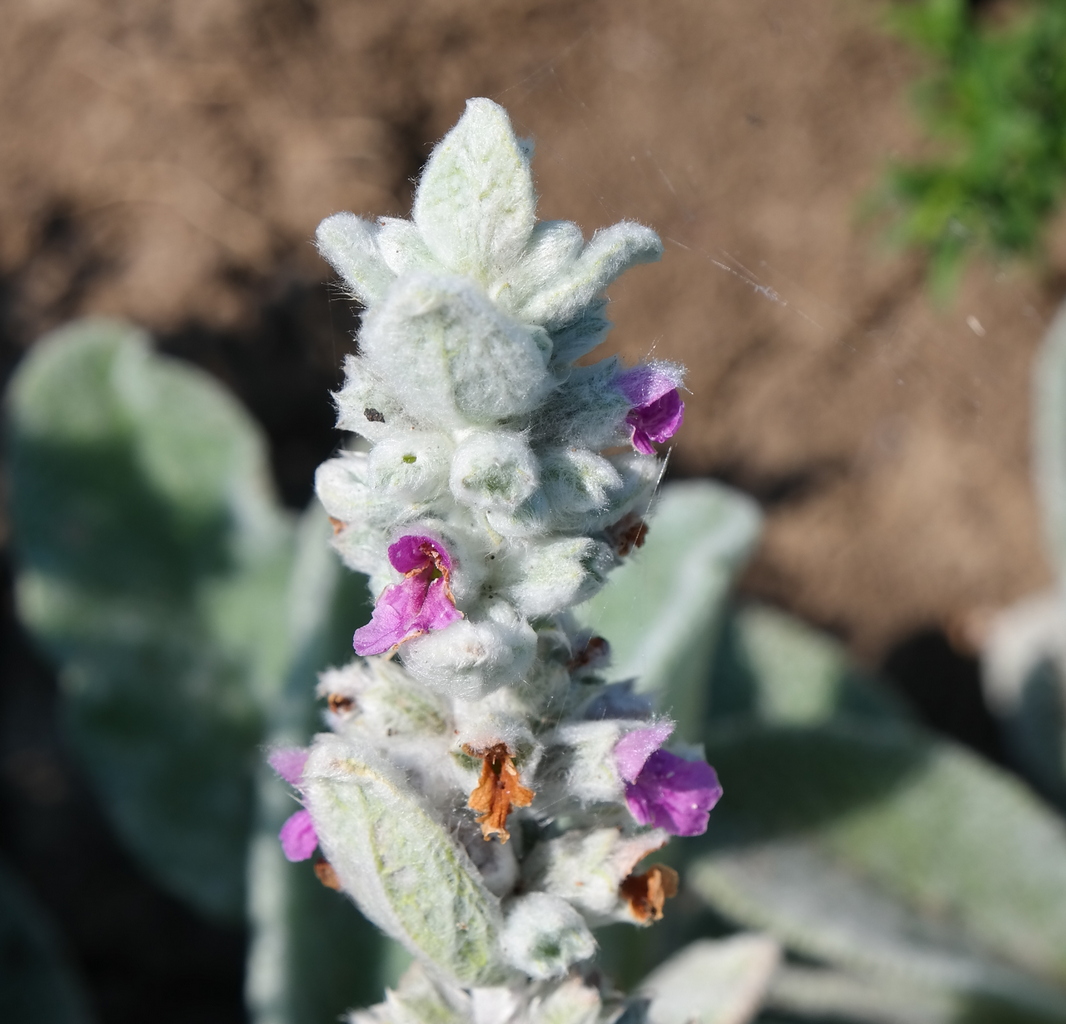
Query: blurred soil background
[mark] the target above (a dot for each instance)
(168, 163)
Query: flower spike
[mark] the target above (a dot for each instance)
(492, 493)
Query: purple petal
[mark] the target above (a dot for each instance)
(298, 837)
(289, 763)
(661, 419)
(438, 609)
(642, 442)
(633, 749)
(406, 610)
(648, 382)
(413, 552)
(394, 618)
(674, 794)
(657, 407)
(656, 422)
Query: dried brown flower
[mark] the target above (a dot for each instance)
(497, 791)
(648, 891)
(326, 875)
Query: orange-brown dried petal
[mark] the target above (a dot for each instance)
(647, 892)
(595, 649)
(628, 533)
(498, 790)
(339, 703)
(326, 875)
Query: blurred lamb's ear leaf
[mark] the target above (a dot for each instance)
(712, 981)
(153, 565)
(1049, 437)
(661, 608)
(881, 849)
(823, 993)
(1024, 660)
(1023, 665)
(36, 984)
(312, 954)
(772, 667)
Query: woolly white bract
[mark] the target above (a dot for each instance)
(475, 796)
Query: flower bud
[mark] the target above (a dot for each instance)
(365, 405)
(473, 657)
(577, 481)
(357, 512)
(587, 868)
(342, 488)
(493, 470)
(544, 577)
(587, 409)
(412, 467)
(378, 699)
(544, 935)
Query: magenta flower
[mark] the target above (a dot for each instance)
(289, 763)
(657, 407)
(633, 749)
(297, 835)
(662, 789)
(421, 602)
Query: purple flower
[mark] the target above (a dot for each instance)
(421, 602)
(657, 407)
(297, 835)
(289, 763)
(662, 789)
(633, 749)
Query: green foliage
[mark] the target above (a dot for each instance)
(994, 101)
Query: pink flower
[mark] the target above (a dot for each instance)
(633, 749)
(289, 763)
(421, 602)
(657, 407)
(662, 789)
(297, 835)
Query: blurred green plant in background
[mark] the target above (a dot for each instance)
(994, 106)
(859, 868)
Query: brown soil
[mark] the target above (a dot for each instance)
(169, 162)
